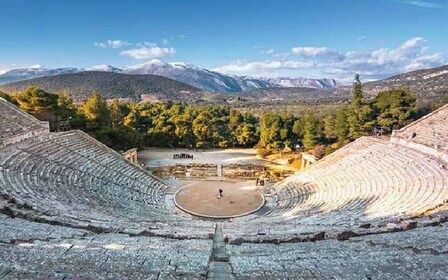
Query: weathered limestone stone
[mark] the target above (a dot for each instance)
(393, 227)
(72, 208)
(408, 225)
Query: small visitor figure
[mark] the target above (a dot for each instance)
(220, 193)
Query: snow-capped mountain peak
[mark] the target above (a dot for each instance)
(157, 62)
(34, 71)
(147, 67)
(105, 68)
(184, 65)
(37, 66)
(180, 71)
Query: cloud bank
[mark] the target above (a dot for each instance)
(423, 4)
(114, 44)
(148, 52)
(141, 50)
(373, 64)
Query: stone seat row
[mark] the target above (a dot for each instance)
(77, 150)
(369, 184)
(430, 130)
(106, 256)
(14, 122)
(56, 181)
(24, 162)
(398, 255)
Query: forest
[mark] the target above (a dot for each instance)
(124, 125)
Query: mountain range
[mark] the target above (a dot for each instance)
(427, 85)
(132, 83)
(34, 71)
(183, 72)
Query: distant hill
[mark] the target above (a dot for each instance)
(34, 71)
(183, 72)
(110, 85)
(267, 94)
(426, 84)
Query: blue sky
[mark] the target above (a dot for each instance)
(328, 38)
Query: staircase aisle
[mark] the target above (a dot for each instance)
(219, 264)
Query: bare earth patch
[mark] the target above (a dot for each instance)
(201, 199)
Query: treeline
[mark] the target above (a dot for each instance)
(389, 110)
(123, 125)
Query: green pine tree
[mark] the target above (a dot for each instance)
(341, 125)
(395, 108)
(360, 113)
(312, 132)
(330, 122)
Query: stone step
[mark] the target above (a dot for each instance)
(219, 265)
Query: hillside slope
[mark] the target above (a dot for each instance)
(110, 85)
(426, 84)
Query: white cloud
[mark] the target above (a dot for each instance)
(315, 52)
(256, 66)
(164, 41)
(410, 55)
(292, 64)
(370, 64)
(149, 44)
(424, 4)
(426, 61)
(114, 44)
(268, 51)
(361, 38)
(148, 52)
(281, 56)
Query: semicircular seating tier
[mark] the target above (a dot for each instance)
(370, 181)
(74, 207)
(69, 178)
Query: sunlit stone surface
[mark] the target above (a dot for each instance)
(72, 208)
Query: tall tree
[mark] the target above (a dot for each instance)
(341, 126)
(37, 101)
(96, 111)
(357, 88)
(117, 113)
(312, 132)
(66, 107)
(270, 126)
(395, 108)
(360, 113)
(329, 128)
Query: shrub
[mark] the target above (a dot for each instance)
(263, 152)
